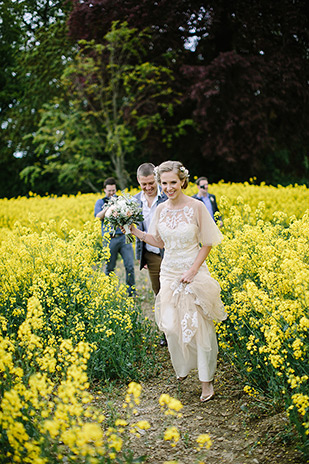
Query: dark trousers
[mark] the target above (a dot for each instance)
(153, 261)
(117, 245)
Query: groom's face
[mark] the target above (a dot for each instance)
(148, 185)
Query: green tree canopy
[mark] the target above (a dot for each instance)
(34, 49)
(242, 69)
(112, 98)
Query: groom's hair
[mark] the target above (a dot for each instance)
(145, 170)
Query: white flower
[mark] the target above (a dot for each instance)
(110, 211)
(123, 210)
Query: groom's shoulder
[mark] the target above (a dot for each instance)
(137, 196)
(161, 197)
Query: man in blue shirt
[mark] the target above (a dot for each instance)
(117, 242)
(208, 199)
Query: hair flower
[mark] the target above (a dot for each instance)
(184, 171)
(156, 174)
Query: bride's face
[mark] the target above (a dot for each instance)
(171, 185)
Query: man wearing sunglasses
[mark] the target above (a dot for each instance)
(208, 199)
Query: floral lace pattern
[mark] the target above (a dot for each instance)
(178, 287)
(179, 233)
(189, 327)
(174, 217)
(189, 322)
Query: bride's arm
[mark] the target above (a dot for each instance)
(145, 237)
(189, 275)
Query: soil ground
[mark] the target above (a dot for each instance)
(243, 430)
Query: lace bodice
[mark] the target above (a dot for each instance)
(182, 231)
(180, 236)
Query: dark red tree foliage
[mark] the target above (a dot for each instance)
(242, 69)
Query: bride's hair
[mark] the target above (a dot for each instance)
(175, 166)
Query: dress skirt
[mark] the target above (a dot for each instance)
(185, 313)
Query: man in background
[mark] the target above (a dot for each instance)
(117, 242)
(208, 199)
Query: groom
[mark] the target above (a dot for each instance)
(149, 198)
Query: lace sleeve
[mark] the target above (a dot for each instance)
(209, 233)
(153, 228)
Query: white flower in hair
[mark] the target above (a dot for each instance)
(156, 173)
(184, 171)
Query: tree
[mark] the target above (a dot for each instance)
(242, 69)
(251, 90)
(170, 24)
(116, 99)
(34, 49)
(67, 148)
(10, 42)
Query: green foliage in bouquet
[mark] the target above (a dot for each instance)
(123, 211)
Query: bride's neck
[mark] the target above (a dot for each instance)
(178, 202)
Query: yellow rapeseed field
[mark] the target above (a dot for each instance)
(60, 317)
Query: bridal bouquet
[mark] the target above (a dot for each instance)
(123, 211)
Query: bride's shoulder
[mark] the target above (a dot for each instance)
(161, 206)
(194, 207)
(194, 203)
(161, 209)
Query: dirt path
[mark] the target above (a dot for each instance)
(243, 430)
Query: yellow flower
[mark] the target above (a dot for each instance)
(204, 441)
(115, 442)
(302, 402)
(172, 434)
(251, 391)
(120, 422)
(52, 427)
(143, 425)
(171, 403)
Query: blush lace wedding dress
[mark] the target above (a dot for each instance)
(185, 312)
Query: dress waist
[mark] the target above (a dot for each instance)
(179, 261)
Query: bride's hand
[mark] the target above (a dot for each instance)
(188, 276)
(131, 227)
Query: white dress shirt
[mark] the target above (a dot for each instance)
(148, 213)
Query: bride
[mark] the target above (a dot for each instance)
(189, 298)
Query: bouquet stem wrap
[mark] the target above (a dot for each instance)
(129, 236)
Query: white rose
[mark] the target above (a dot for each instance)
(110, 211)
(122, 203)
